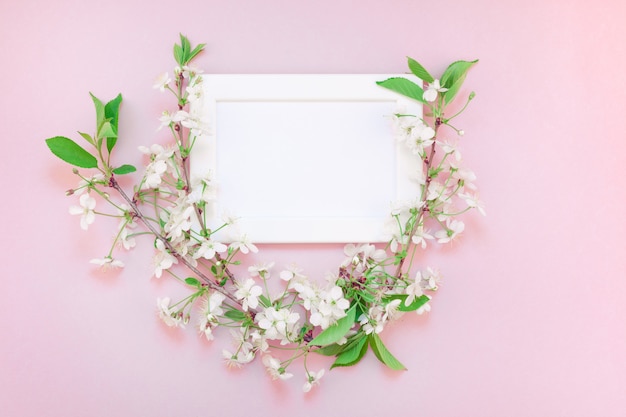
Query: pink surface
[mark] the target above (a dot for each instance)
(531, 318)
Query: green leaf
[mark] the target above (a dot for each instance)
(186, 46)
(335, 332)
(111, 141)
(87, 137)
(453, 78)
(192, 281)
(71, 152)
(452, 91)
(403, 86)
(455, 71)
(196, 51)
(178, 54)
(353, 355)
(111, 111)
(99, 110)
(265, 301)
(106, 130)
(331, 350)
(419, 71)
(235, 315)
(415, 304)
(335, 349)
(124, 169)
(383, 354)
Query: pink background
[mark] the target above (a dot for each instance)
(531, 318)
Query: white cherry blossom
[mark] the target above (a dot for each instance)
(244, 244)
(433, 89)
(238, 359)
(86, 210)
(275, 369)
(169, 317)
(414, 290)
(162, 81)
(261, 269)
(123, 239)
(208, 248)
(313, 379)
(209, 312)
(249, 292)
(420, 237)
(163, 259)
(107, 262)
(453, 229)
(472, 201)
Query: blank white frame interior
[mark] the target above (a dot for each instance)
(304, 158)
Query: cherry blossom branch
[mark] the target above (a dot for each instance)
(200, 218)
(115, 185)
(185, 165)
(424, 208)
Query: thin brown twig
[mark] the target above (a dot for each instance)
(114, 184)
(428, 161)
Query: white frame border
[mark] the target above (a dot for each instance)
(302, 87)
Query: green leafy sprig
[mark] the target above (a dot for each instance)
(107, 117)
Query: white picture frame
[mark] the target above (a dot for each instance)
(304, 158)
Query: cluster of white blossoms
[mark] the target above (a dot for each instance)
(448, 187)
(210, 312)
(286, 316)
(416, 134)
(161, 164)
(278, 324)
(168, 314)
(194, 119)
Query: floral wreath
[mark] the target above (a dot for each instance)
(342, 317)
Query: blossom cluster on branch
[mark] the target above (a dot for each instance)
(342, 316)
